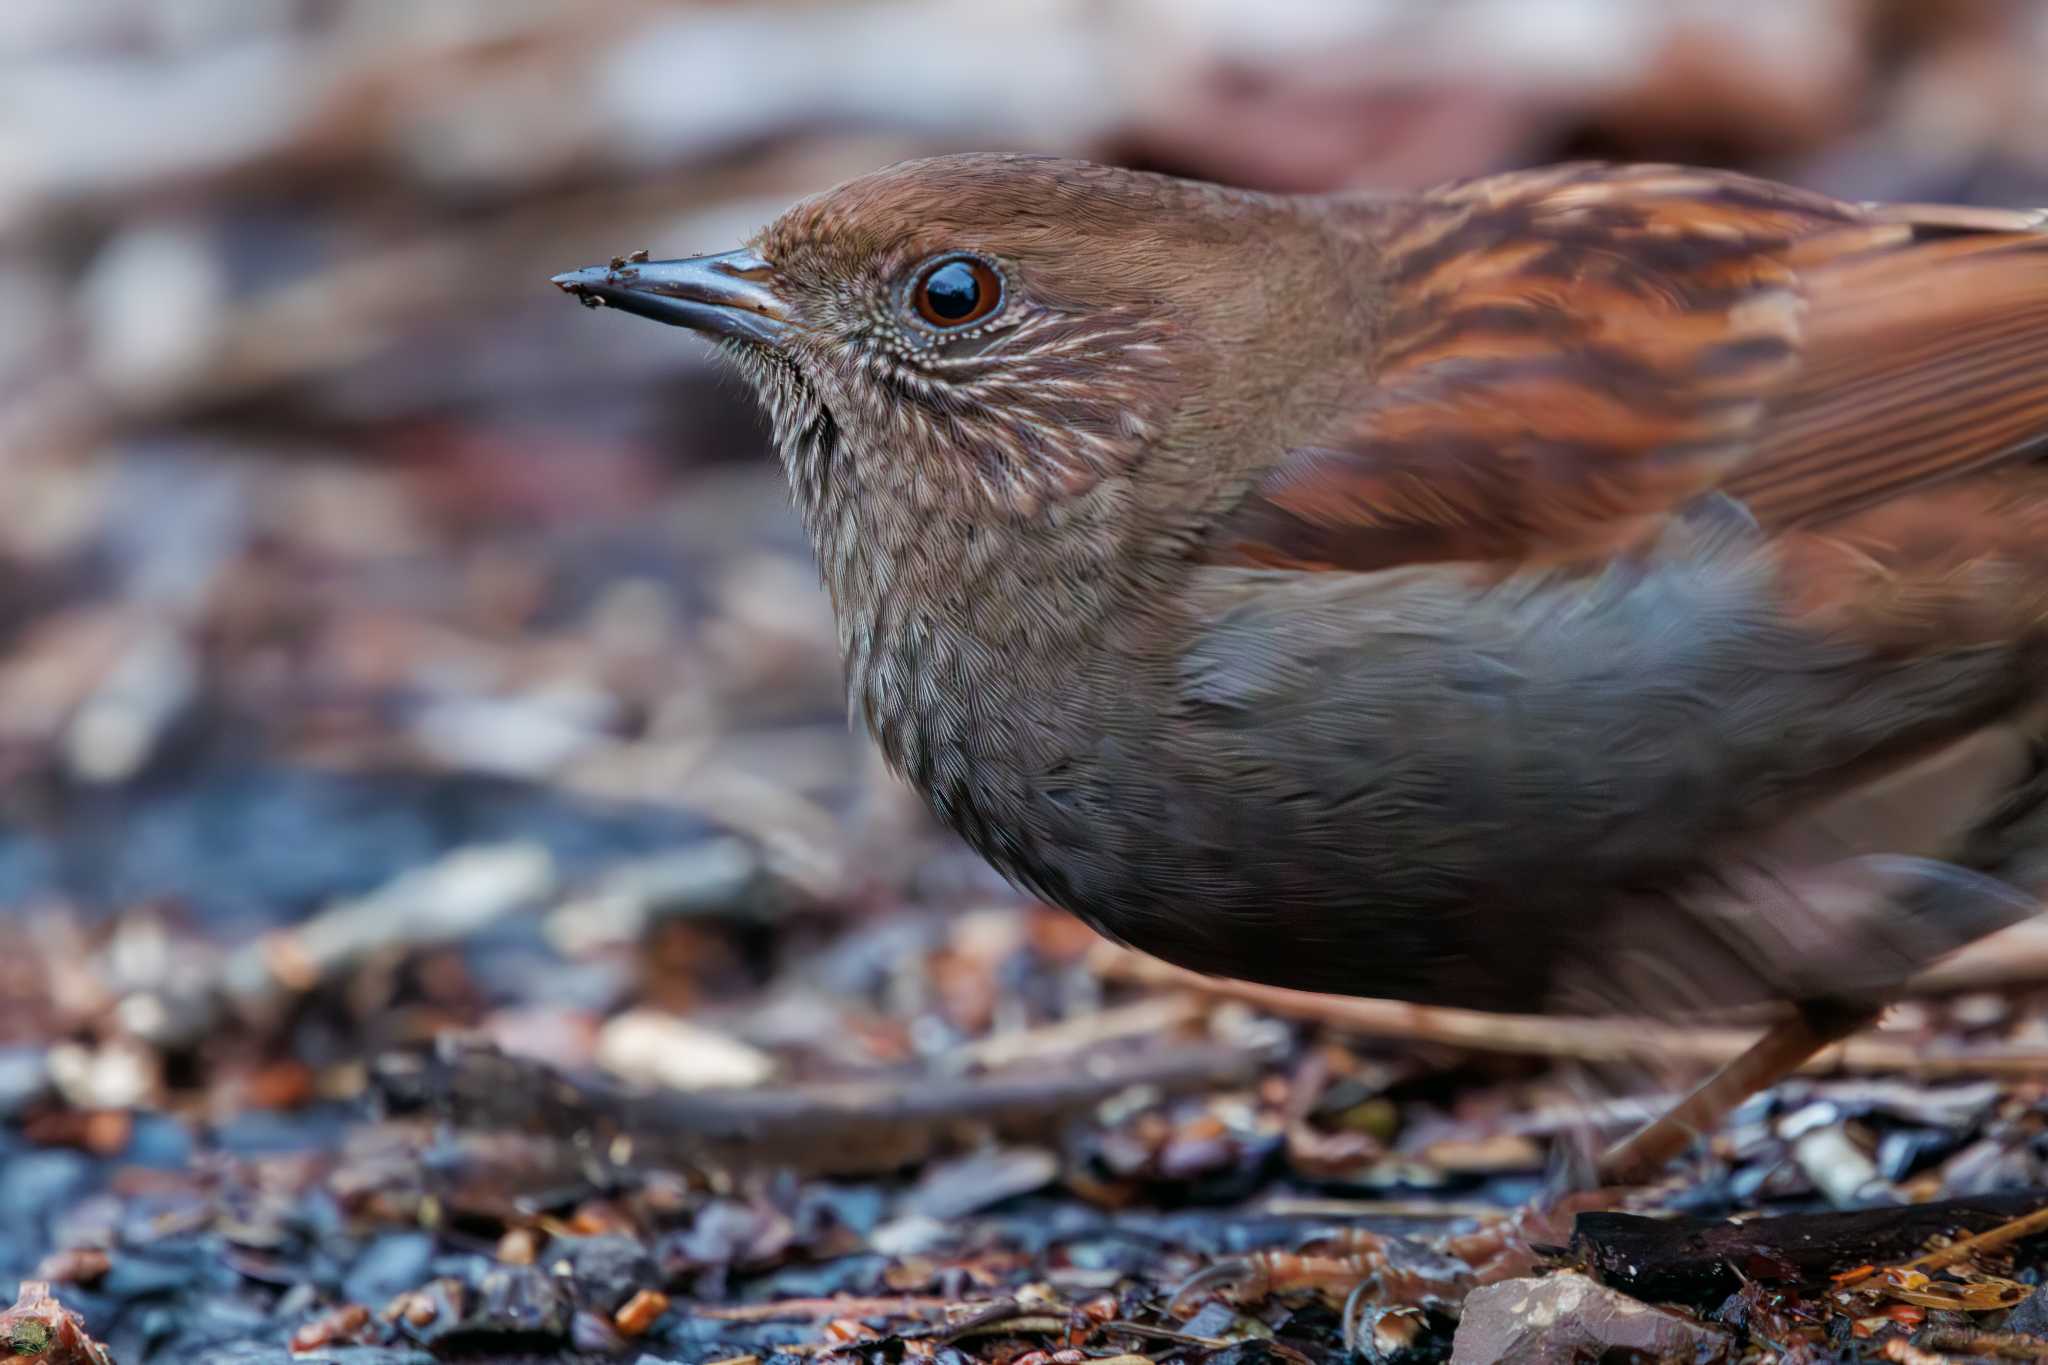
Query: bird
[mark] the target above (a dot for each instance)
(1595, 588)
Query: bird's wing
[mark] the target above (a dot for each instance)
(1579, 362)
(1572, 357)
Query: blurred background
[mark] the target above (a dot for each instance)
(388, 646)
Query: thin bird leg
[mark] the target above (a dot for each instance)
(1784, 1049)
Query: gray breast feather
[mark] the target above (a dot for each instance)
(1408, 784)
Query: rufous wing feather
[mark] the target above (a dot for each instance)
(1572, 357)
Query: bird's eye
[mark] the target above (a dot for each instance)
(956, 290)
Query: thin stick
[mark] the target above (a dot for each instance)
(1580, 1039)
(803, 1310)
(1997, 1345)
(1144, 1018)
(1989, 1240)
(1436, 1211)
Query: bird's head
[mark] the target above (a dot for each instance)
(988, 339)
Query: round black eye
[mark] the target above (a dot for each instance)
(956, 291)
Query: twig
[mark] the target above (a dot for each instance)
(1580, 1039)
(847, 1128)
(998, 1311)
(1143, 1018)
(1436, 1210)
(2024, 1226)
(1997, 1345)
(811, 1310)
(1019, 1323)
(442, 902)
(1139, 1329)
(2016, 956)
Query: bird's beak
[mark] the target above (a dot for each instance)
(727, 295)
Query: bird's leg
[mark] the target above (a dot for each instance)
(1776, 1055)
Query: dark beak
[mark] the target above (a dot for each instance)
(727, 295)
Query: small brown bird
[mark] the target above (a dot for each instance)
(1594, 588)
